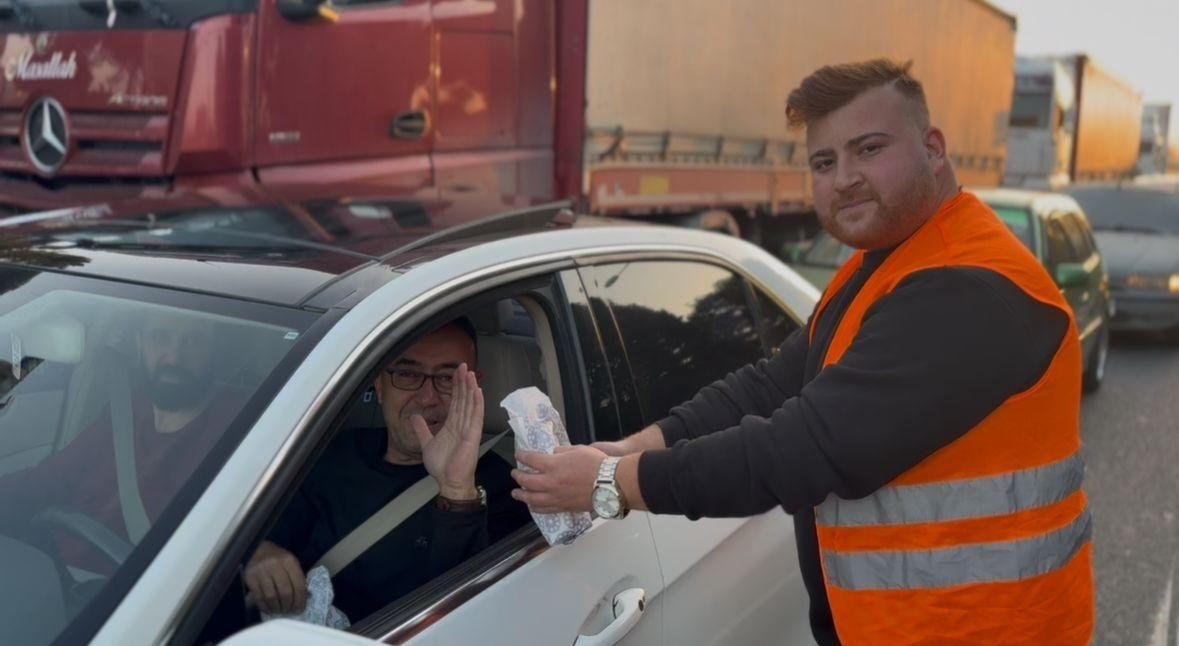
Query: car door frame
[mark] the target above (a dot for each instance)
(1088, 314)
(1097, 306)
(407, 618)
(209, 543)
(524, 565)
(699, 548)
(353, 373)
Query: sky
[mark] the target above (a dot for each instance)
(1137, 40)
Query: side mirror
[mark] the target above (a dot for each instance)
(1071, 274)
(304, 10)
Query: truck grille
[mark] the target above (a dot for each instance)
(102, 144)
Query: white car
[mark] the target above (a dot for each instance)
(615, 323)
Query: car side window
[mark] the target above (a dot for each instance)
(1076, 230)
(683, 324)
(521, 340)
(776, 324)
(1059, 249)
(600, 401)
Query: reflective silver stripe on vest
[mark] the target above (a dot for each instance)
(974, 498)
(979, 563)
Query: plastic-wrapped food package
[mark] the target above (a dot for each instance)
(319, 609)
(538, 427)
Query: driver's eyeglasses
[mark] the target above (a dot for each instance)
(406, 379)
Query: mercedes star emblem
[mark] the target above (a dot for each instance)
(46, 135)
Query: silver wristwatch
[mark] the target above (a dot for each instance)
(607, 498)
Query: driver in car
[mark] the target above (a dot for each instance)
(174, 413)
(433, 412)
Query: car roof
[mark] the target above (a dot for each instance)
(1038, 202)
(260, 252)
(1110, 205)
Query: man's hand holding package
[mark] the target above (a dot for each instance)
(565, 480)
(647, 439)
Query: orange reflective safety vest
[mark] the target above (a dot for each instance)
(987, 540)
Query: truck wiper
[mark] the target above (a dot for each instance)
(17, 9)
(180, 247)
(1128, 228)
(152, 7)
(252, 243)
(157, 11)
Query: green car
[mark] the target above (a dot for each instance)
(1053, 227)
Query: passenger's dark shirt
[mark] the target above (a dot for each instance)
(82, 477)
(351, 482)
(932, 358)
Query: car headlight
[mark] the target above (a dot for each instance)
(1154, 282)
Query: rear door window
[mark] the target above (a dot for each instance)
(683, 325)
(1059, 249)
(1076, 230)
(776, 323)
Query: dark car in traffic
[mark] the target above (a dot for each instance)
(1137, 229)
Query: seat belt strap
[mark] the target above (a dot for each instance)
(123, 429)
(385, 519)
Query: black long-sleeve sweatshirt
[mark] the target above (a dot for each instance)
(930, 361)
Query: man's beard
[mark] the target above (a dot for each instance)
(909, 206)
(184, 391)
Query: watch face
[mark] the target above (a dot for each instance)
(605, 503)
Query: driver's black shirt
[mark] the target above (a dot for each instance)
(350, 483)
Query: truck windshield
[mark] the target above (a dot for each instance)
(1030, 109)
(77, 15)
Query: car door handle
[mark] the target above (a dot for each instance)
(628, 610)
(408, 125)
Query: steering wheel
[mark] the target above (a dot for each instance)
(76, 592)
(99, 536)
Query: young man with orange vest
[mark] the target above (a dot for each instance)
(923, 429)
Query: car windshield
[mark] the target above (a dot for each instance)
(84, 14)
(1018, 220)
(1140, 210)
(230, 229)
(114, 399)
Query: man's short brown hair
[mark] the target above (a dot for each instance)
(833, 86)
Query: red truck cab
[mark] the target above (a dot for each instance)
(450, 102)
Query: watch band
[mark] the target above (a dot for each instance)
(606, 480)
(606, 471)
(472, 504)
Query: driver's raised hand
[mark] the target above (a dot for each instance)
(450, 455)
